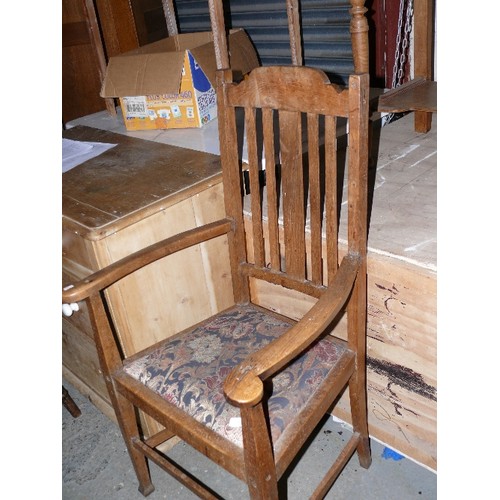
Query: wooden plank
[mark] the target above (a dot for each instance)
(416, 95)
(403, 211)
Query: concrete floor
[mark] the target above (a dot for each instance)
(95, 465)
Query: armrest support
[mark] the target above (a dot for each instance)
(114, 272)
(243, 386)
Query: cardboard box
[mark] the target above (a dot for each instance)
(171, 83)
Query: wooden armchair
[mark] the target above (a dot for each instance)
(247, 386)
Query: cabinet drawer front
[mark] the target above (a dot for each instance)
(79, 355)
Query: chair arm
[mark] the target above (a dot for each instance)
(243, 386)
(114, 272)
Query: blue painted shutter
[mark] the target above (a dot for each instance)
(325, 30)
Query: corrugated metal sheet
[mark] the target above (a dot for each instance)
(325, 30)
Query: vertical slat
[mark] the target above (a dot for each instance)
(314, 196)
(331, 215)
(293, 192)
(255, 191)
(292, 10)
(272, 188)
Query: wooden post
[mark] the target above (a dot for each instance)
(219, 31)
(170, 18)
(359, 36)
(292, 11)
(423, 26)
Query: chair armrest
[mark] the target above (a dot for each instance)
(114, 272)
(243, 386)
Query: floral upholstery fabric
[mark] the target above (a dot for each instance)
(189, 370)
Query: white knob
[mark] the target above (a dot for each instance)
(68, 309)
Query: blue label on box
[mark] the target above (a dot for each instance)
(200, 81)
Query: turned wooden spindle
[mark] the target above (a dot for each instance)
(359, 36)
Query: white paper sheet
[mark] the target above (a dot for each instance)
(76, 152)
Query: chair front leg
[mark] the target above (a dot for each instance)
(109, 361)
(125, 413)
(259, 458)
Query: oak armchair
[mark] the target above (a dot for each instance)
(248, 386)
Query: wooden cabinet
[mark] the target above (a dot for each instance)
(136, 194)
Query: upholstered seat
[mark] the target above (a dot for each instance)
(189, 369)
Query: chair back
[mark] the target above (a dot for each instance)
(284, 153)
